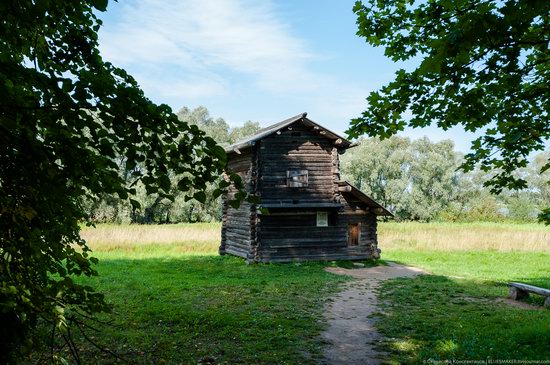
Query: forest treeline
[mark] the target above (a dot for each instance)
(415, 179)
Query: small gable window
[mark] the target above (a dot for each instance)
(322, 219)
(296, 178)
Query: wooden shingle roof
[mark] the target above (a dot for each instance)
(250, 141)
(350, 191)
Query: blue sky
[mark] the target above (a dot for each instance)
(253, 60)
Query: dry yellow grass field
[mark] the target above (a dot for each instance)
(483, 236)
(190, 238)
(205, 237)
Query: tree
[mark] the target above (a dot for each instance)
(218, 128)
(66, 117)
(155, 209)
(538, 182)
(249, 128)
(485, 65)
(381, 169)
(434, 180)
(415, 180)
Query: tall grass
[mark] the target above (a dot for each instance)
(204, 238)
(195, 238)
(500, 237)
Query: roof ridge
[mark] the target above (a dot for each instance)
(264, 132)
(296, 117)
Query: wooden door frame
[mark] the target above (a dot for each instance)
(354, 227)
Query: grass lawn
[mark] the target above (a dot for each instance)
(174, 307)
(457, 313)
(176, 301)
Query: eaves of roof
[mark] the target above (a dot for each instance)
(250, 141)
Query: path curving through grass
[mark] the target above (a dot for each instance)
(351, 333)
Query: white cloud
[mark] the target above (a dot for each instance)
(206, 39)
(215, 53)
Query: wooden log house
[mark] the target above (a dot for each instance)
(308, 213)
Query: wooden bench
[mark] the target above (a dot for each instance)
(519, 290)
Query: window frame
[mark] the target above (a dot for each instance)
(320, 220)
(293, 181)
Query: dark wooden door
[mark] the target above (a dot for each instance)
(353, 234)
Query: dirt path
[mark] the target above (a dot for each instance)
(351, 334)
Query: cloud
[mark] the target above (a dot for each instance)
(240, 58)
(206, 39)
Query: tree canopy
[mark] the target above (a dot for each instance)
(217, 128)
(484, 65)
(421, 180)
(68, 120)
(108, 208)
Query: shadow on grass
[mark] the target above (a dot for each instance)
(438, 318)
(211, 309)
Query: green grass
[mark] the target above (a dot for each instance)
(171, 307)
(176, 301)
(457, 313)
(528, 267)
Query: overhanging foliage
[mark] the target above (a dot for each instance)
(66, 116)
(485, 65)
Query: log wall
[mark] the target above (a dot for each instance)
(357, 213)
(238, 225)
(292, 234)
(299, 148)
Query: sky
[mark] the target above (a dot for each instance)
(263, 61)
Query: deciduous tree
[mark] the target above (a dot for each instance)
(415, 180)
(484, 65)
(66, 115)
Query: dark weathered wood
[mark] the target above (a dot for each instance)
(236, 223)
(289, 232)
(302, 205)
(295, 255)
(353, 234)
(236, 252)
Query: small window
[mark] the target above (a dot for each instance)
(322, 219)
(296, 178)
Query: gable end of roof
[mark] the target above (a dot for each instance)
(262, 133)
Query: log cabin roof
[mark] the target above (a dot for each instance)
(352, 194)
(262, 133)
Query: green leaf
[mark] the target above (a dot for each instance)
(235, 204)
(200, 196)
(184, 184)
(216, 193)
(100, 5)
(219, 152)
(224, 184)
(67, 85)
(135, 204)
(253, 199)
